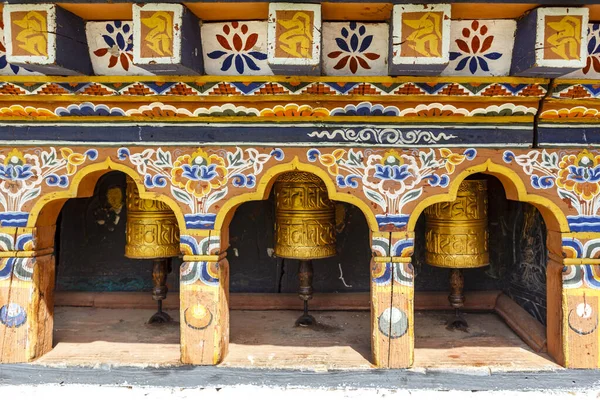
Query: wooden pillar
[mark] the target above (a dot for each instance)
(579, 301)
(392, 300)
(26, 293)
(204, 293)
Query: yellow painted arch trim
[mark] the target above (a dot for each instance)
(264, 185)
(515, 190)
(108, 165)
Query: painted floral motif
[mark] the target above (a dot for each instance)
(111, 48)
(21, 176)
(391, 179)
(199, 173)
(592, 65)
(474, 48)
(237, 47)
(353, 48)
(593, 59)
(119, 44)
(576, 178)
(199, 180)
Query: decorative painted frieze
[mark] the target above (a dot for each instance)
(166, 39)
(294, 38)
(591, 70)
(420, 39)
(575, 178)
(200, 180)
(392, 179)
(551, 42)
(481, 47)
(111, 48)
(45, 38)
(337, 88)
(235, 48)
(355, 48)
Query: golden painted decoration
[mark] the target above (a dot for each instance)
(30, 33)
(152, 230)
(456, 233)
(304, 217)
(157, 33)
(294, 33)
(563, 37)
(422, 34)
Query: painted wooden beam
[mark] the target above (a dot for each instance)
(46, 38)
(166, 39)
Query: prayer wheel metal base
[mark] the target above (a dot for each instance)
(304, 228)
(152, 234)
(456, 237)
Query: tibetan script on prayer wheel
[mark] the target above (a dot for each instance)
(152, 230)
(304, 217)
(457, 232)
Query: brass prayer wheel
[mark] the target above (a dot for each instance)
(457, 232)
(152, 233)
(456, 236)
(304, 228)
(304, 217)
(152, 230)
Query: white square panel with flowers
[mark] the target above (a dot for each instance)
(354, 48)
(235, 48)
(592, 64)
(481, 47)
(111, 48)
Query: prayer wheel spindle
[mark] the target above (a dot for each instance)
(152, 234)
(304, 228)
(456, 236)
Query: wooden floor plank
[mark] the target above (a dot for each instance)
(268, 339)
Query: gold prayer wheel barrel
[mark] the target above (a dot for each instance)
(152, 233)
(304, 217)
(456, 236)
(152, 230)
(457, 232)
(304, 228)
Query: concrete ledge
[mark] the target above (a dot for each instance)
(209, 376)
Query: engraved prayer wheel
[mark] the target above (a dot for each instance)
(304, 217)
(304, 228)
(152, 233)
(152, 230)
(456, 236)
(457, 232)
